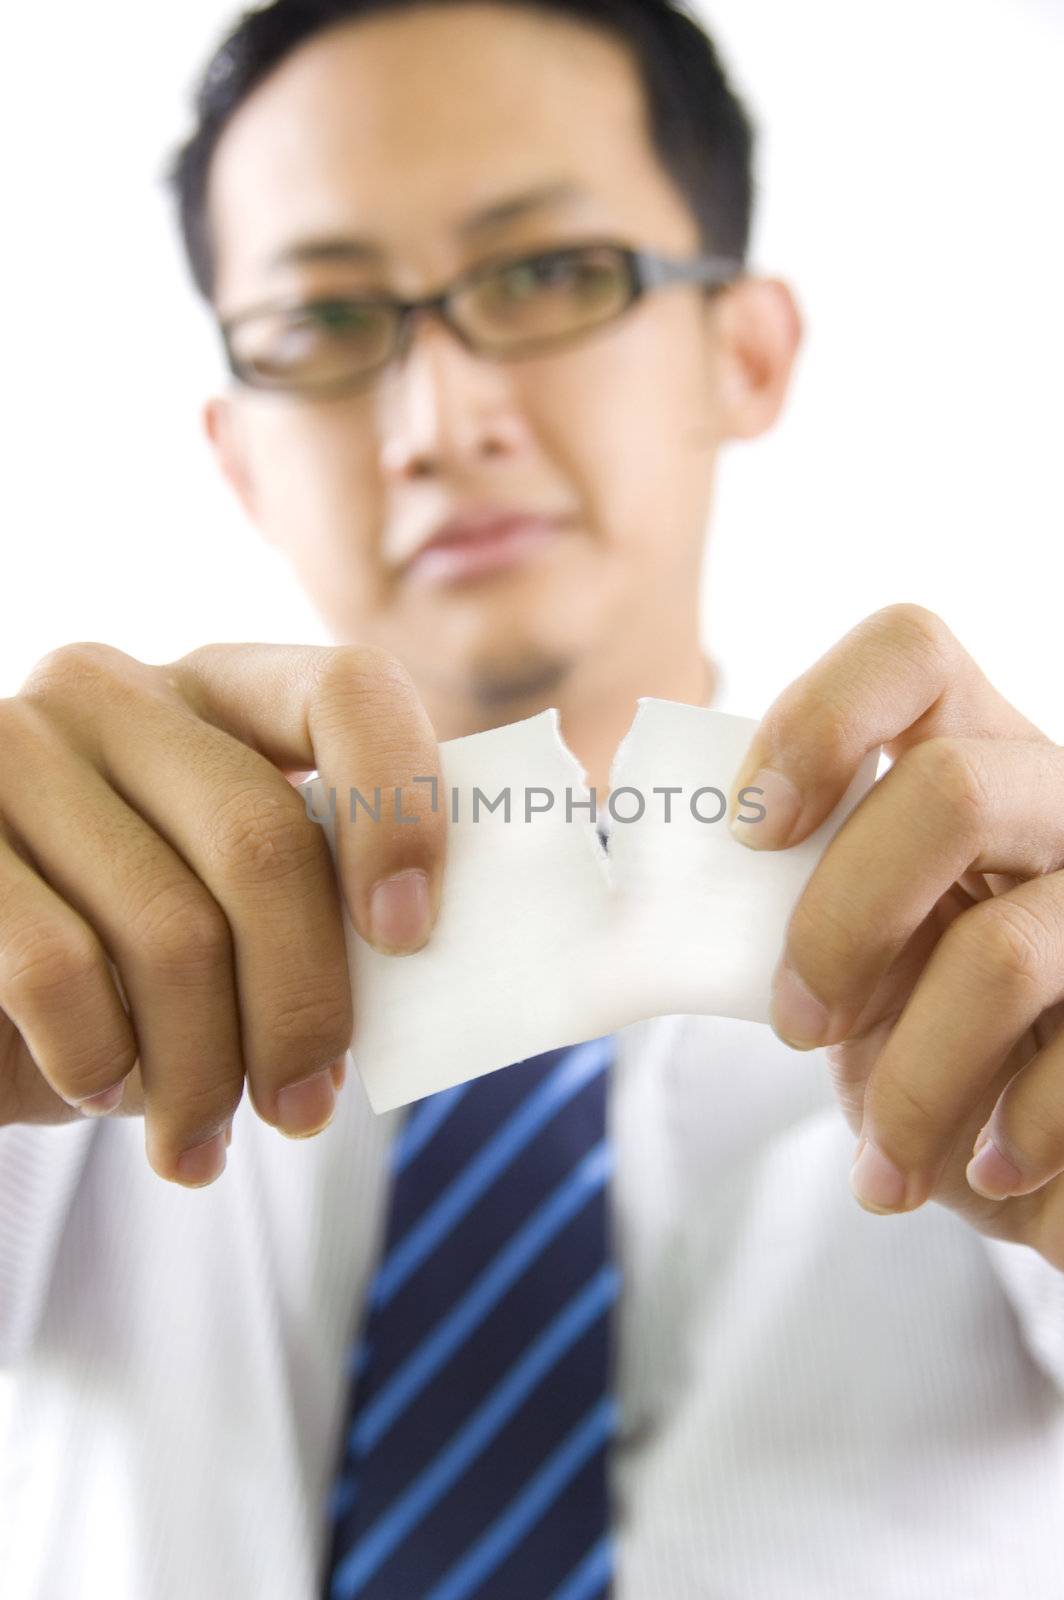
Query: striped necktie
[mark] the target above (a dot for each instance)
(474, 1458)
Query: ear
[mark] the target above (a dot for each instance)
(221, 423)
(760, 330)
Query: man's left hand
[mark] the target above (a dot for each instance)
(927, 949)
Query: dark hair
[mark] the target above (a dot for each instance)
(699, 128)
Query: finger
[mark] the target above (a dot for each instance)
(25, 1094)
(244, 833)
(57, 991)
(1021, 1146)
(370, 737)
(992, 974)
(343, 712)
(167, 938)
(27, 1097)
(898, 678)
(354, 716)
(243, 829)
(850, 1063)
(948, 809)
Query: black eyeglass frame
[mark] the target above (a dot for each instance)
(646, 270)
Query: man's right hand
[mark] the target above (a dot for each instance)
(169, 914)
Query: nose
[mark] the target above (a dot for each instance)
(441, 406)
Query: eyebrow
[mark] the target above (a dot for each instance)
(486, 220)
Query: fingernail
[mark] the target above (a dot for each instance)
(796, 1014)
(399, 911)
(203, 1163)
(98, 1105)
(875, 1180)
(338, 1073)
(989, 1173)
(782, 803)
(228, 1131)
(306, 1107)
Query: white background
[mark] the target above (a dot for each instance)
(911, 191)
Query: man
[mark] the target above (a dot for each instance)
(499, 506)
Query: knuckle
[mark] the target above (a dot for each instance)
(179, 928)
(897, 1107)
(363, 664)
(1006, 944)
(369, 677)
(95, 1065)
(73, 667)
(262, 836)
(40, 962)
(824, 724)
(317, 1026)
(915, 628)
(202, 1107)
(821, 938)
(1034, 1130)
(953, 773)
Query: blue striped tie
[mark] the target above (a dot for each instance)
(474, 1461)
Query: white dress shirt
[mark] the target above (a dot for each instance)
(817, 1403)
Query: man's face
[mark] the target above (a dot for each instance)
(414, 132)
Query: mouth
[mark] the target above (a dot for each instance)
(479, 546)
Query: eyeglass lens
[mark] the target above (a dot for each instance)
(518, 306)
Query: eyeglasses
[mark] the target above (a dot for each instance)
(502, 309)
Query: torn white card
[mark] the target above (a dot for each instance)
(543, 939)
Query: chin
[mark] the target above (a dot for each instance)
(508, 666)
(529, 685)
(510, 640)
